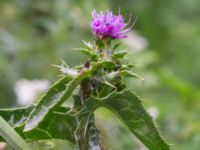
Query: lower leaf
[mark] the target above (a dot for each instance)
(127, 106)
(56, 125)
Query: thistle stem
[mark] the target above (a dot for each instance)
(87, 135)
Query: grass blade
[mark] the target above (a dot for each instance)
(11, 136)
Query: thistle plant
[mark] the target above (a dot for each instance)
(99, 82)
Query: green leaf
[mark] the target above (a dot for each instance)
(16, 116)
(116, 46)
(100, 43)
(127, 106)
(56, 125)
(131, 74)
(57, 94)
(88, 52)
(107, 64)
(84, 51)
(119, 55)
(12, 137)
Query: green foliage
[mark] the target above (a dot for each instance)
(56, 94)
(99, 83)
(11, 136)
(35, 33)
(60, 125)
(127, 106)
(56, 125)
(16, 117)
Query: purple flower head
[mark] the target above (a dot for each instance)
(106, 24)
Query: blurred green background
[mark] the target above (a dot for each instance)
(165, 44)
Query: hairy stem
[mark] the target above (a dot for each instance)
(87, 135)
